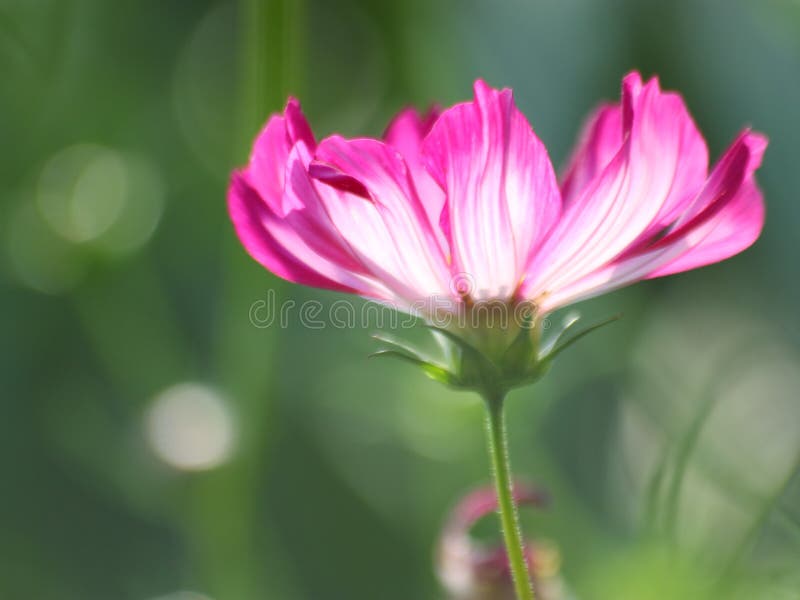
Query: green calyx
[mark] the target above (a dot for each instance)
(490, 360)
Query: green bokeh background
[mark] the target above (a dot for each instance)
(670, 442)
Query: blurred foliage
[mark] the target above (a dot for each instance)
(669, 442)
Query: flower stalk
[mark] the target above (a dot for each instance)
(509, 516)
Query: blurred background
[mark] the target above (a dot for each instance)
(156, 444)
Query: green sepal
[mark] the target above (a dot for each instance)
(401, 345)
(520, 356)
(432, 370)
(461, 343)
(468, 367)
(560, 344)
(475, 369)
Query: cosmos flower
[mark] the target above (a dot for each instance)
(472, 570)
(465, 204)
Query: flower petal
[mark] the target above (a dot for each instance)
(731, 229)
(258, 208)
(734, 230)
(274, 243)
(653, 177)
(305, 211)
(405, 134)
(691, 163)
(599, 142)
(406, 131)
(502, 195)
(390, 233)
(728, 219)
(271, 150)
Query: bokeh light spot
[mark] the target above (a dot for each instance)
(82, 191)
(111, 200)
(142, 211)
(190, 427)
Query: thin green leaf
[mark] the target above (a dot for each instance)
(770, 507)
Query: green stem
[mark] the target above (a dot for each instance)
(509, 517)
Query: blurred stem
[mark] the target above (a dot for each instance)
(509, 517)
(236, 554)
(274, 58)
(685, 451)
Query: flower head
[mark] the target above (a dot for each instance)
(464, 204)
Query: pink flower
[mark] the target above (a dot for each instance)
(473, 570)
(471, 195)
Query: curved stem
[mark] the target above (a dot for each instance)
(501, 467)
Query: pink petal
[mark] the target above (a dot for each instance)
(405, 134)
(655, 174)
(602, 137)
(297, 127)
(728, 218)
(391, 234)
(670, 114)
(406, 131)
(599, 142)
(274, 244)
(734, 230)
(475, 570)
(472, 193)
(338, 180)
(731, 229)
(305, 211)
(291, 234)
(483, 501)
(282, 220)
(271, 150)
(288, 230)
(502, 195)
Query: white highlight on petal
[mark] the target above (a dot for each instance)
(189, 427)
